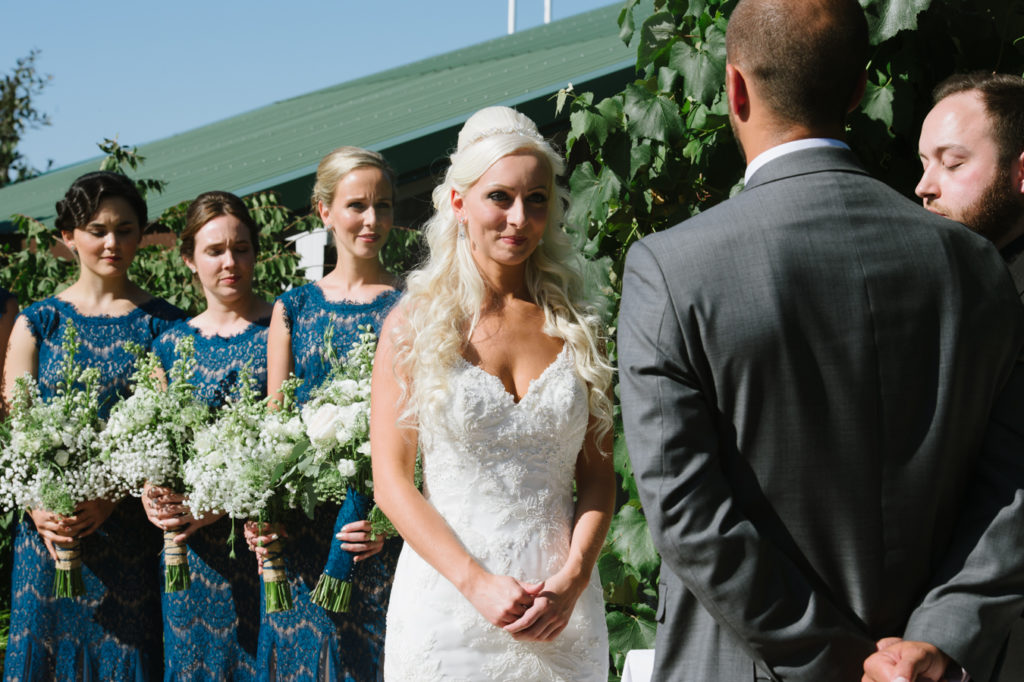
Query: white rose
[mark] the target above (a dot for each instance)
(364, 448)
(347, 468)
(61, 457)
(321, 425)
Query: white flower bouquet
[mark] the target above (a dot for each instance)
(246, 465)
(53, 460)
(337, 423)
(151, 434)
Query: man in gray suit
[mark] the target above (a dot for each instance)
(819, 397)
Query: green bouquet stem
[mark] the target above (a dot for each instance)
(278, 596)
(332, 594)
(67, 580)
(176, 573)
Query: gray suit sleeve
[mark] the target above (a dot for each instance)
(979, 590)
(748, 585)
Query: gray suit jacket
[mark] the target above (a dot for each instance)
(807, 375)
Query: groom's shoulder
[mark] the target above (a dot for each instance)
(719, 222)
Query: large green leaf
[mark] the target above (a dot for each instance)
(639, 159)
(626, 26)
(695, 8)
(591, 194)
(628, 631)
(657, 32)
(651, 116)
(619, 580)
(589, 123)
(702, 64)
(877, 102)
(886, 18)
(630, 538)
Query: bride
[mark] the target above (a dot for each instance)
(492, 364)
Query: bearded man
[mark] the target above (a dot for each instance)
(972, 150)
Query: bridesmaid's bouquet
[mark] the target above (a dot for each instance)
(337, 423)
(151, 434)
(53, 460)
(247, 466)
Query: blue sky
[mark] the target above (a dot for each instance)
(143, 70)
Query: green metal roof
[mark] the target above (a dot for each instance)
(410, 114)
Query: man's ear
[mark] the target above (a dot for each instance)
(736, 91)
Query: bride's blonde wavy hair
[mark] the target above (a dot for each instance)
(444, 297)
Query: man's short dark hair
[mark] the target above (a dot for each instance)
(1003, 97)
(806, 57)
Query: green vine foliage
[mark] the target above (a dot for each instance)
(662, 150)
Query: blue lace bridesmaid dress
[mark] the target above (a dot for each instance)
(113, 631)
(307, 642)
(211, 629)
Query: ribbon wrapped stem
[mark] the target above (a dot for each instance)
(67, 580)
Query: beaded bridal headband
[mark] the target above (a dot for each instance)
(512, 129)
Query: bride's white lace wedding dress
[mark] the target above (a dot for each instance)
(500, 473)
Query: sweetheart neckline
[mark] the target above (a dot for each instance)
(529, 387)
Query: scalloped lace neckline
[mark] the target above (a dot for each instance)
(496, 380)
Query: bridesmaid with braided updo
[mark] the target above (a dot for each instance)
(113, 631)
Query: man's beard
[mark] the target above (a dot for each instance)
(999, 213)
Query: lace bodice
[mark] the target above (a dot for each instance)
(518, 459)
(501, 474)
(308, 314)
(101, 340)
(220, 358)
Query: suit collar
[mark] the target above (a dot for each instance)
(780, 150)
(815, 160)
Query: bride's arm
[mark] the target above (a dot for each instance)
(501, 599)
(595, 505)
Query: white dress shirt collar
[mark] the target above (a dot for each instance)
(788, 148)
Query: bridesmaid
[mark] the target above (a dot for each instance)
(211, 629)
(354, 196)
(113, 631)
(8, 311)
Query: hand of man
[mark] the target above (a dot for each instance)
(899, 660)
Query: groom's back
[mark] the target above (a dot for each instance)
(850, 346)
